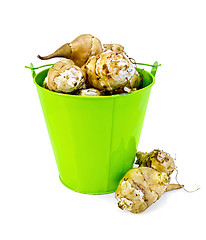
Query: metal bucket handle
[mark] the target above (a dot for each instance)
(153, 71)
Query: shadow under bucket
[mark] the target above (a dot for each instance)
(94, 138)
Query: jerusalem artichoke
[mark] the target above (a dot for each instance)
(79, 50)
(65, 77)
(140, 188)
(111, 70)
(157, 159)
(146, 182)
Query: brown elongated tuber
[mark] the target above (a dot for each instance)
(79, 50)
(65, 76)
(111, 70)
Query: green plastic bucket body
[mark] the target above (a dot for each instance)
(94, 138)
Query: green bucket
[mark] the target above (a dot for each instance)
(94, 138)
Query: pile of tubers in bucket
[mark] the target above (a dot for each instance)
(88, 68)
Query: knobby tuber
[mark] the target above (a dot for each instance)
(145, 184)
(157, 159)
(111, 70)
(65, 76)
(140, 188)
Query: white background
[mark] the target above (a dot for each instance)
(33, 202)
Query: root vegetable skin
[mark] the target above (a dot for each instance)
(79, 50)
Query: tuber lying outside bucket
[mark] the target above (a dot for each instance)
(94, 138)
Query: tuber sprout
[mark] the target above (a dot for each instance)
(157, 159)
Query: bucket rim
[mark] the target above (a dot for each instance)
(94, 97)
